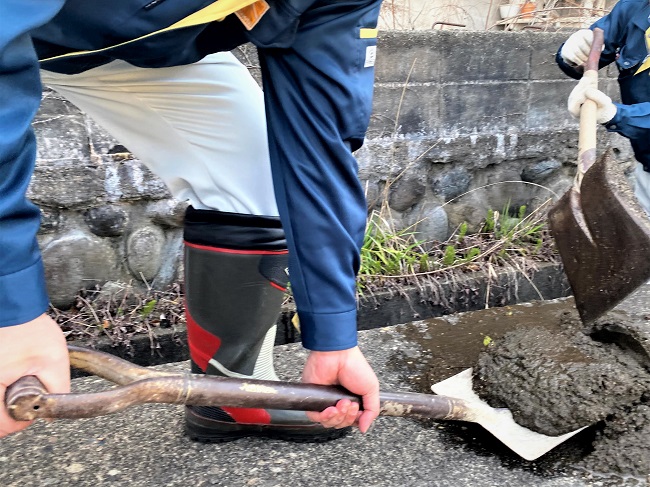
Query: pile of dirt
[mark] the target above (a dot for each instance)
(558, 382)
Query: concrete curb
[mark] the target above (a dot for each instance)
(470, 293)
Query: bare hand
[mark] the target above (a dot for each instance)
(349, 369)
(34, 348)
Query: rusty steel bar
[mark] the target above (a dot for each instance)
(27, 399)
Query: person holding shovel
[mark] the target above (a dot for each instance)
(158, 76)
(627, 43)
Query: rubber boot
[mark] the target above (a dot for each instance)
(235, 279)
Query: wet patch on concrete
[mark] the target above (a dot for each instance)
(554, 374)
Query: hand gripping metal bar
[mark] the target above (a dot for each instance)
(27, 398)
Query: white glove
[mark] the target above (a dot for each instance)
(585, 89)
(606, 108)
(575, 50)
(578, 95)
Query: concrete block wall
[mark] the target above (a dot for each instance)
(477, 114)
(462, 122)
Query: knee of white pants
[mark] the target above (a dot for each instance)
(201, 128)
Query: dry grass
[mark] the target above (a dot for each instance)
(119, 312)
(391, 261)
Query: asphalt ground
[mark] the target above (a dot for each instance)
(145, 445)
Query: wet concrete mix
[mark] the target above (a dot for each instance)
(553, 372)
(558, 380)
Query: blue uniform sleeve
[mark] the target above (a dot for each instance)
(22, 284)
(318, 85)
(631, 121)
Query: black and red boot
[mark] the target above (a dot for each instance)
(235, 279)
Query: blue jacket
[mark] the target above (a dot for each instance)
(318, 94)
(625, 29)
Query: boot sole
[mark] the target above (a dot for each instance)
(213, 431)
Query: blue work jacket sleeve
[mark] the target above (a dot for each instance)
(631, 121)
(624, 31)
(318, 86)
(22, 284)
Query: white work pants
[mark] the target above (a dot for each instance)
(200, 128)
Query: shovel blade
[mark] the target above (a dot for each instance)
(524, 442)
(603, 238)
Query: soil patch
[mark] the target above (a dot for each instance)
(555, 382)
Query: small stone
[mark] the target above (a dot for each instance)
(50, 220)
(144, 252)
(107, 221)
(537, 173)
(74, 261)
(430, 224)
(406, 192)
(452, 183)
(136, 181)
(169, 212)
(373, 196)
(75, 468)
(113, 472)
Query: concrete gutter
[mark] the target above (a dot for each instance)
(392, 307)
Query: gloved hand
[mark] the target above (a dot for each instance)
(606, 108)
(585, 89)
(578, 94)
(575, 50)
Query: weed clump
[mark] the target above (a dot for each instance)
(508, 239)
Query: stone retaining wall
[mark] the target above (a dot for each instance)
(462, 122)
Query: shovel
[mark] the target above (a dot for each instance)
(601, 232)
(27, 399)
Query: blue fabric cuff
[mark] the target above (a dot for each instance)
(22, 295)
(614, 124)
(329, 332)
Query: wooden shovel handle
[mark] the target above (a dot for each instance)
(588, 112)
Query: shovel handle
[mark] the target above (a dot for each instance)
(588, 110)
(27, 398)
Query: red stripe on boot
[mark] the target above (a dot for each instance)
(203, 345)
(235, 251)
(249, 415)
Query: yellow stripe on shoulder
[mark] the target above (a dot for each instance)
(365, 33)
(644, 66)
(214, 12)
(646, 62)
